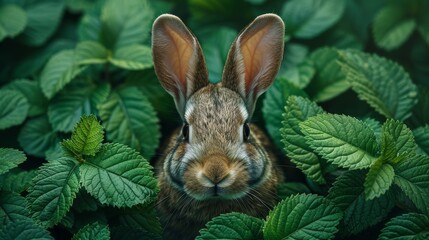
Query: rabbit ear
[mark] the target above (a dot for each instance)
(254, 58)
(178, 59)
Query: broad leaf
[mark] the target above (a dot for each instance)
(133, 57)
(125, 22)
(142, 218)
(16, 180)
(129, 118)
(13, 108)
(119, 176)
(309, 18)
(303, 216)
(93, 231)
(24, 230)
(86, 138)
(406, 226)
(401, 136)
(37, 136)
(379, 179)
(421, 136)
(348, 194)
(273, 106)
(287, 189)
(232, 226)
(329, 81)
(297, 110)
(53, 191)
(10, 158)
(392, 26)
(12, 207)
(90, 52)
(32, 92)
(77, 99)
(382, 83)
(412, 176)
(342, 140)
(58, 72)
(12, 20)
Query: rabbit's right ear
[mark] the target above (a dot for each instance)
(178, 59)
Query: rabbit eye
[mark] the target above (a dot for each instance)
(246, 132)
(185, 132)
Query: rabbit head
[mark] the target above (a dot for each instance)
(217, 154)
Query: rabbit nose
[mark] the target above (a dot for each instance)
(215, 171)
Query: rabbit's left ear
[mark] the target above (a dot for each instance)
(254, 58)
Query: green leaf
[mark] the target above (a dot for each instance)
(13, 108)
(129, 118)
(375, 126)
(142, 218)
(12, 207)
(303, 216)
(60, 70)
(273, 106)
(379, 179)
(401, 135)
(342, 140)
(77, 99)
(383, 84)
(296, 67)
(93, 231)
(329, 80)
(53, 190)
(90, 52)
(347, 193)
(421, 136)
(126, 233)
(86, 138)
(43, 19)
(392, 27)
(119, 176)
(23, 230)
(12, 20)
(287, 189)
(307, 19)
(419, 117)
(37, 136)
(10, 158)
(412, 176)
(16, 180)
(297, 110)
(133, 57)
(125, 23)
(406, 226)
(232, 226)
(32, 92)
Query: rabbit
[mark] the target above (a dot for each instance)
(217, 162)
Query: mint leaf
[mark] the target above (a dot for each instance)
(329, 81)
(145, 218)
(401, 135)
(303, 216)
(53, 190)
(119, 176)
(421, 136)
(93, 231)
(133, 57)
(12, 207)
(12, 20)
(13, 108)
(86, 138)
(297, 110)
(392, 26)
(310, 18)
(383, 84)
(379, 179)
(347, 193)
(16, 180)
(232, 226)
(406, 226)
(32, 92)
(129, 118)
(77, 99)
(412, 176)
(91, 52)
(24, 229)
(10, 158)
(342, 140)
(37, 136)
(58, 72)
(287, 189)
(273, 106)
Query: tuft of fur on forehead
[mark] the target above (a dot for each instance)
(215, 113)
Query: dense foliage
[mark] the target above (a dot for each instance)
(82, 115)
